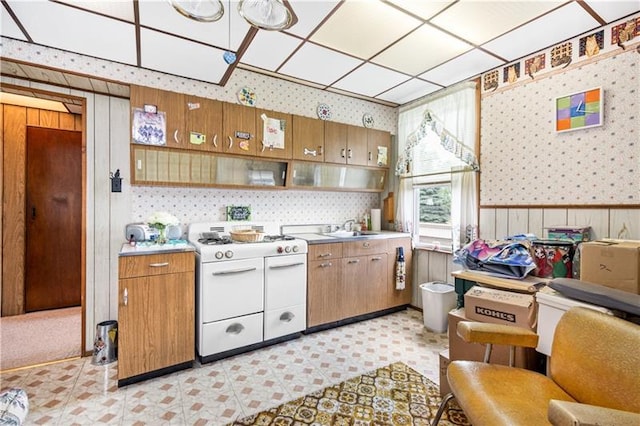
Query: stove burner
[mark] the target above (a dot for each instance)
(215, 240)
(270, 238)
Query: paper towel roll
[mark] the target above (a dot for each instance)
(375, 219)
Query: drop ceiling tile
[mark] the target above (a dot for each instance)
(63, 27)
(370, 80)
(318, 64)
(613, 10)
(481, 21)
(414, 55)
(550, 29)
(310, 14)
(363, 29)
(8, 27)
(424, 9)
(161, 15)
(269, 49)
(409, 91)
(116, 9)
(187, 59)
(461, 68)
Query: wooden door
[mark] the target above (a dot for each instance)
(354, 283)
(357, 148)
(54, 219)
(323, 292)
(239, 129)
(308, 139)
(265, 151)
(379, 148)
(171, 103)
(335, 142)
(203, 130)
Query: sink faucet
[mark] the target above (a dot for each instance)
(349, 222)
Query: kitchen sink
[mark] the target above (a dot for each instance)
(349, 234)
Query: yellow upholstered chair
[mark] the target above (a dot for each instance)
(593, 375)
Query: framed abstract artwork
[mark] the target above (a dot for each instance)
(579, 110)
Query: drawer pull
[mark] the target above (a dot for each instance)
(324, 255)
(287, 316)
(308, 151)
(375, 258)
(158, 265)
(354, 261)
(235, 328)
(370, 156)
(126, 296)
(175, 136)
(350, 155)
(215, 140)
(235, 271)
(342, 152)
(288, 265)
(230, 142)
(366, 245)
(326, 265)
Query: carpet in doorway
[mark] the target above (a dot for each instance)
(40, 337)
(391, 395)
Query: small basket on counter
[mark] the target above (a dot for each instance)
(246, 235)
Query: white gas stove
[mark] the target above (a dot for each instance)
(249, 294)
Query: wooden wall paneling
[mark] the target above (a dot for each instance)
(624, 224)
(502, 223)
(33, 117)
(101, 228)
(554, 217)
(49, 119)
(598, 219)
(518, 221)
(14, 151)
(535, 223)
(67, 121)
(78, 123)
(421, 275)
(120, 202)
(487, 224)
(438, 267)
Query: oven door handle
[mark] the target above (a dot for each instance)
(287, 316)
(288, 265)
(235, 271)
(235, 328)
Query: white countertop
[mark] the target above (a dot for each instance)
(146, 247)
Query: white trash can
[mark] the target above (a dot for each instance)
(438, 298)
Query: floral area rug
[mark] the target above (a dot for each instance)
(391, 395)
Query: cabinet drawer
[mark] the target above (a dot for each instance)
(155, 264)
(325, 251)
(284, 321)
(221, 336)
(359, 248)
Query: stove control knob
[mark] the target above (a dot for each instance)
(279, 249)
(287, 249)
(228, 254)
(295, 249)
(219, 255)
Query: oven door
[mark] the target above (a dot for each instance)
(231, 289)
(285, 281)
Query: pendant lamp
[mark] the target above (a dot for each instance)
(199, 10)
(271, 15)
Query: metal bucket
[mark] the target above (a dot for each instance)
(553, 258)
(105, 344)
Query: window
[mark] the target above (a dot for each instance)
(433, 215)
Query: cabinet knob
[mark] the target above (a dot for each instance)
(324, 255)
(366, 245)
(326, 265)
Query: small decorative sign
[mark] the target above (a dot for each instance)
(238, 213)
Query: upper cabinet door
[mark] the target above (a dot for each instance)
(203, 124)
(357, 147)
(335, 142)
(239, 129)
(169, 103)
(308, 139)
(379, 146)
(279, 134)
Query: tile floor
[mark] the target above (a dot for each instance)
(79, 393)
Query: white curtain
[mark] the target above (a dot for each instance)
(455, 111)
(464, 206)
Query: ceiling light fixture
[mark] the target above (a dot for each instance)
(271, 15)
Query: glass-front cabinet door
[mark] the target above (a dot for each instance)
(330, 176)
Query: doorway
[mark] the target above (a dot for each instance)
(53, 219)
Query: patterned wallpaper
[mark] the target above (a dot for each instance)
(206, 204)
(525, 162)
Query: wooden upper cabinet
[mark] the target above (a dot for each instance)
(308, 139)
(379, 148)
(335, 142)
(171, 103)
(203, 129)
(239, 129)
(357, 147)
(265, 150)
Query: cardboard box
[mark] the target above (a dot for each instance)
(460, 350)
(444, 363)
(614, 264)
(500, 307)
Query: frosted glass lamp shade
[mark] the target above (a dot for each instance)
(199, 10)
(272, 15)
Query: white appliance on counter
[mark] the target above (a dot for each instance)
(247, 293)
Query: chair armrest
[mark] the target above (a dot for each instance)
(564, 413)
(497, 334)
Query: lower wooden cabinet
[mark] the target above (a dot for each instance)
(156, 318)
(354, 278)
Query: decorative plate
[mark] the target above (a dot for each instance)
(367, 120)
(247, 96)
(323, 111)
